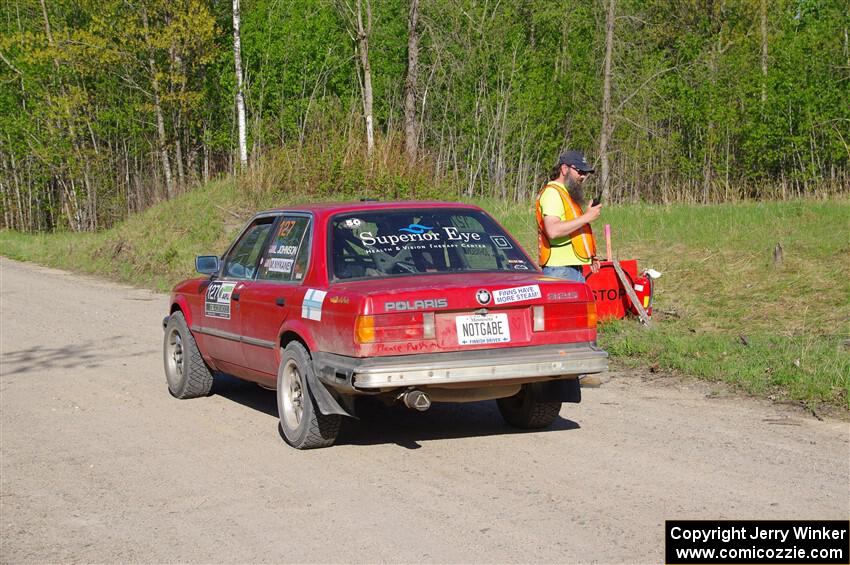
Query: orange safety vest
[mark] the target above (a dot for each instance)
(582, 239)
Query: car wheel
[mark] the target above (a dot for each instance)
(303, 426)
(524, 409)
(185, 370)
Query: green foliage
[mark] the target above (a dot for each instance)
(502, 88)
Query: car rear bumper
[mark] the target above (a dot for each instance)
(441, 369)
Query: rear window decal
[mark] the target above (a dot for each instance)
(416, 228)
(501, 242)
(516, 294)
(311, 308)
(217, 300)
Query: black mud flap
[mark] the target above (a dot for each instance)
(324, 399)
(563, 390)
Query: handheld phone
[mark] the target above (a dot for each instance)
(596, 201)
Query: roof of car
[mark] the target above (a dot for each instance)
(326, 208)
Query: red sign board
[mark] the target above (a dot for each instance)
(611, 298)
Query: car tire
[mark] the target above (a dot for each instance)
(302, 424)
(185, 370)
(524, 410)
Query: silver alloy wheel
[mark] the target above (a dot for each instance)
(292, 398)
(174, 359)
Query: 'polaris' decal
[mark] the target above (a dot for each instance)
(404, 305)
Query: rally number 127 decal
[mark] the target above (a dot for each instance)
(217, 301)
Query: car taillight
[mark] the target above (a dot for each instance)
(364, 329)
(561, 316)
(591, 314)
(406, 326)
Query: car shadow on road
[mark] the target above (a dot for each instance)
(381, 424)
(245, 393)
(377, 423)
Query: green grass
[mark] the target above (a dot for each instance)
(723, 310)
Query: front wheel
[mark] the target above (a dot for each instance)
(525, 410)
(185, 370)
(303, 425)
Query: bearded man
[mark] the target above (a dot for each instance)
(565, 239)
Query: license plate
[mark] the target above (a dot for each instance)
(480, 329)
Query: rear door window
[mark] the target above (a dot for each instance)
(288, 251)
(389, 243)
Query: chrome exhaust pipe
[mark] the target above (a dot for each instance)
(417, 400)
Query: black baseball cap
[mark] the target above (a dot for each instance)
(575, 159)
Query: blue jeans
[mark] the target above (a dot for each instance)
(570, 273)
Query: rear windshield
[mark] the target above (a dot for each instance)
(389, 243)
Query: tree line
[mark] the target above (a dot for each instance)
(107, 106)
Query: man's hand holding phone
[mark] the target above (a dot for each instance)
(594, 210)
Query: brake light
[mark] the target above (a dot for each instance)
(407, 326)
(563, 316)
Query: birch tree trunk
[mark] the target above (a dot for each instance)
(363, 46)
(240, 96)
(410, 133)
(178, 68)
(160, 122)
(606, 102)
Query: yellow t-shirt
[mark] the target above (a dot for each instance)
(562, 247)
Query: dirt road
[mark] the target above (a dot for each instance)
(100, 464)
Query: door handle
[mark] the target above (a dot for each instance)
(280, 301)
(235, 297)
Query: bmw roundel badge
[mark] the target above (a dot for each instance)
(483, 297)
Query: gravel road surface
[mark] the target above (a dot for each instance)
(100, 464)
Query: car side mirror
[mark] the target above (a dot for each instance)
(206, 264)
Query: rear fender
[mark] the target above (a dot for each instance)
(302, 331)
